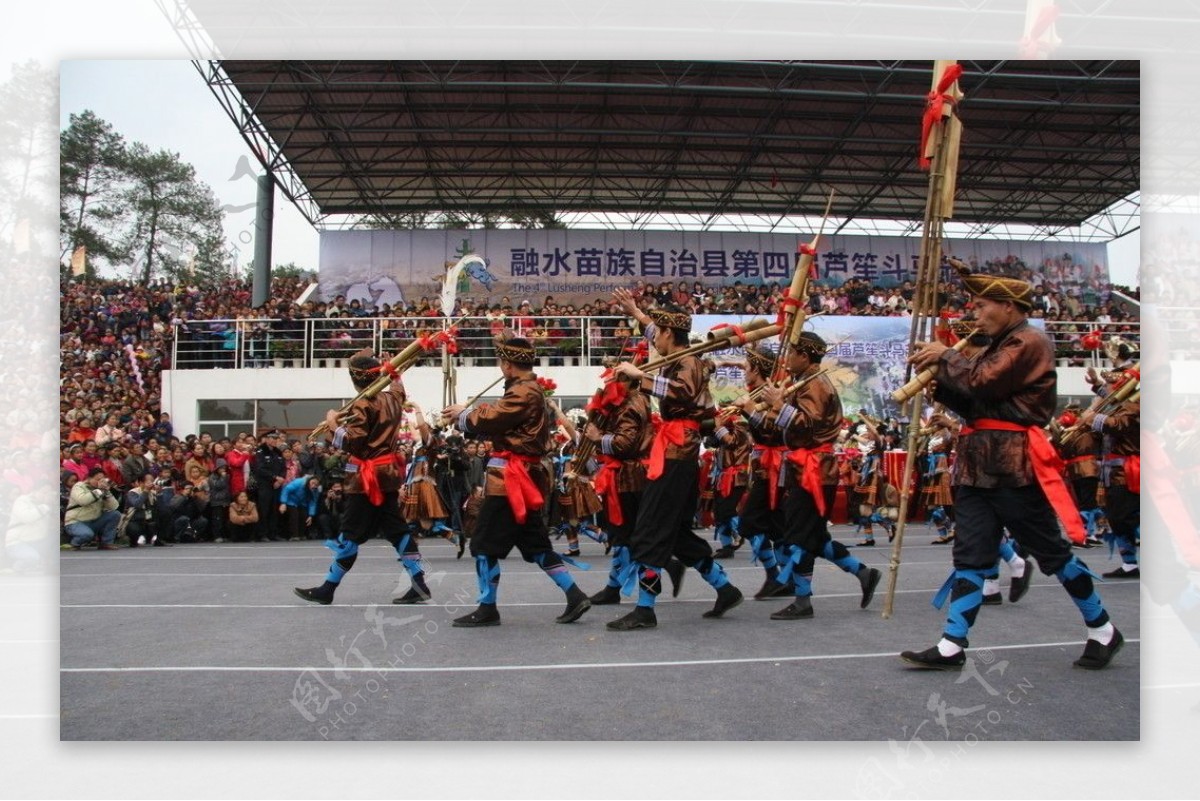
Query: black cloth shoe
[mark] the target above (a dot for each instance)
(932, 659)
(413, 596)
(1020, 586)
(606, 597)
(865, 543)
(869, 579)
(724, 552)
(797, 610)
(1097, 656)
(728, 597)
(485, 615)
(571, 552)
(676, 570)
(1121, 573)
(995, 599)
(773, 589)
(462, 546)
(642, 617)
(943, 540)
(577, 604)
(316, 595)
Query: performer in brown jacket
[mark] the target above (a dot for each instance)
(663, 527)
(1005, 470)
(1080, 457)
(731, 468)
(810, 419)
(1121, 430)
(620, 478)
(517, 484)
(762, 516)
(367, 431)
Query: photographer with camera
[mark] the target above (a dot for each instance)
(186, 519)
(142, 511)
(329, 520)
(92, 512)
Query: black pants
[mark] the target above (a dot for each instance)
(1124, 512)
(983, 514)
(268, 511)
(804, 525)
(664, 523)
(1085, 492)
(497, 532)
(725, 506)
(758, 517)
(362, 520)
(630, 504)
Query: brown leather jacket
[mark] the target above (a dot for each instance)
(628, 438)
(682, 390)
(369, 431)
(1014, 380)
(812, 417)
(519, 422)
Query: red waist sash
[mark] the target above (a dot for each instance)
(728, 474)
(605, 483)
(522, 493)
(668, 431)
(1047, 469)
(1133, 470)
(808, 461)
(370, 478)
(770, 460)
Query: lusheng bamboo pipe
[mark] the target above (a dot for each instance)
(400, 362)
(922, 379)
(752, 331)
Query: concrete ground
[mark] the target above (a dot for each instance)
(207, 642)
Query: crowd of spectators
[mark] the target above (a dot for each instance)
(116, 339)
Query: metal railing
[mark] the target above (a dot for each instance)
(560, 341)
(330, 342)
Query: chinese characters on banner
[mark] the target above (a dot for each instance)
(577, 266)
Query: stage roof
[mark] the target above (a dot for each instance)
(1046, 143)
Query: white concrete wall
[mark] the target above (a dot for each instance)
(183, 388)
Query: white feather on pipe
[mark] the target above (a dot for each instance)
(450, 282)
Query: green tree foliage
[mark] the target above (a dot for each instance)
(175, 226)
(28, 123)
(136, 208)
(91, 172)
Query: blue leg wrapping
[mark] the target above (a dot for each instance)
(837, 553)
(803, 583)
(1007, 551)
(620, 563)
(556, 569)
(1076, 578)
(1128, 550)
(965, 599)
(764, 552)
(789, 558)
(487, 572)
(649, 585)
(735, 526)
(712, 572)
(629, 574)
(722, 534)
(345, 553)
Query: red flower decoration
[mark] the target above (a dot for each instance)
(548, 386)
(1092, 340)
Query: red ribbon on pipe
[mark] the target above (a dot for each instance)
(935, 103)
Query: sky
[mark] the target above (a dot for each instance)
(166, 105)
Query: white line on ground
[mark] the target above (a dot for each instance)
(565, 666)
